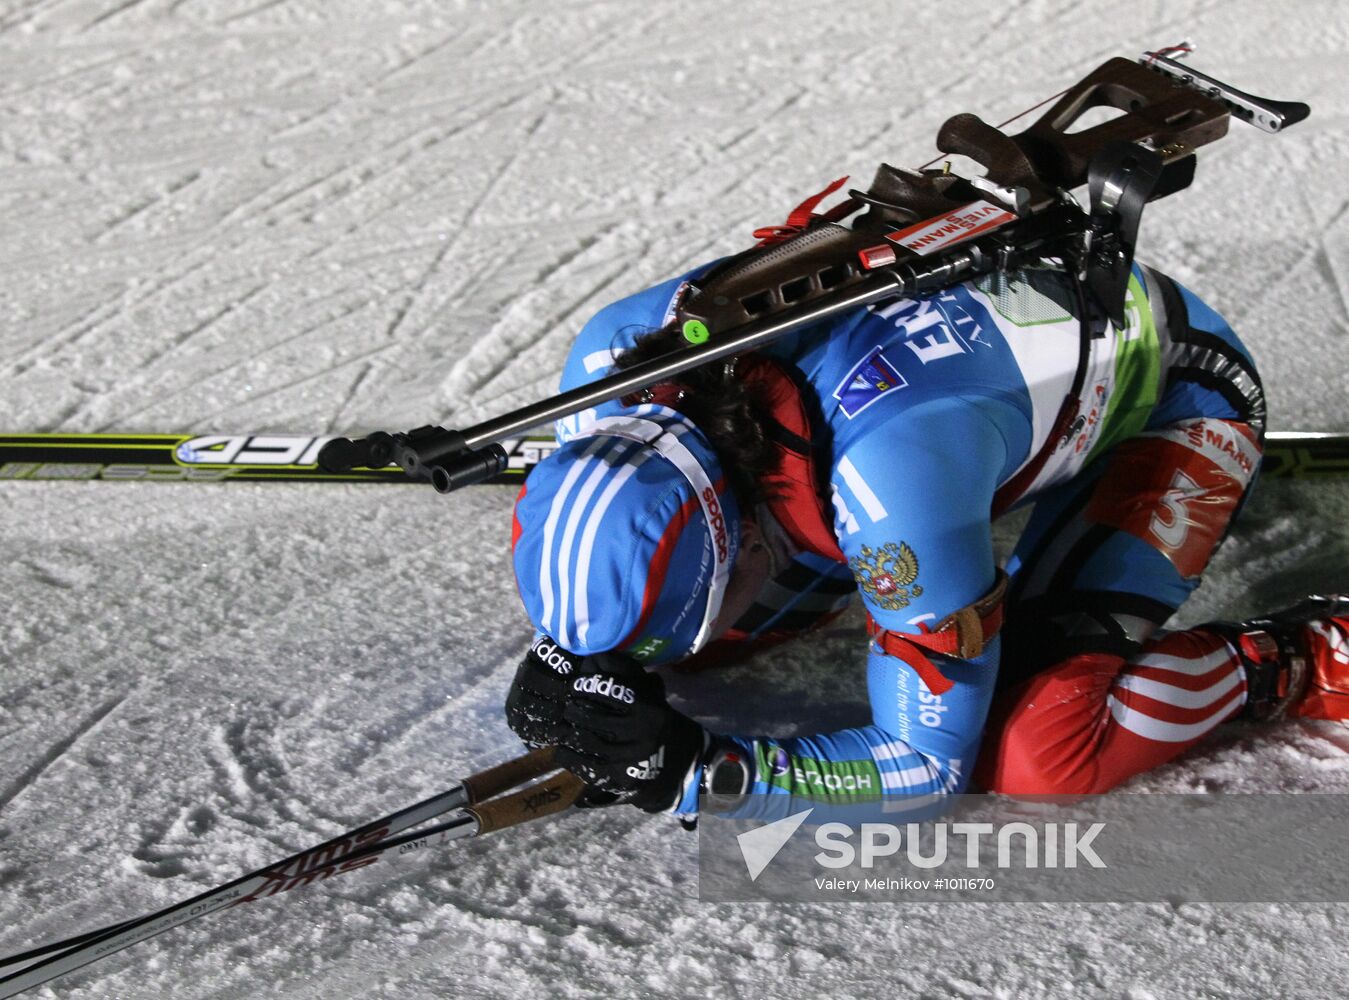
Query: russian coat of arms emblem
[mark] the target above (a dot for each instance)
(887, 574)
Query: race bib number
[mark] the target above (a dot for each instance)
(1177, 489)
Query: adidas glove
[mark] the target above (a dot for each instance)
(624, 738)
(539, 693)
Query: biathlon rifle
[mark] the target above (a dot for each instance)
(921, 231)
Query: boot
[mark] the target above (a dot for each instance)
(1296, 660)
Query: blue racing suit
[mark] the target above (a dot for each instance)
(923, 409)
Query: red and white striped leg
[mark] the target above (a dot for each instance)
(1094, 720)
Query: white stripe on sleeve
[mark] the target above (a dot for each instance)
(869, 501)
(597, 361)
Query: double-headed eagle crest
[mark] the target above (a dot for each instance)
(887, 575)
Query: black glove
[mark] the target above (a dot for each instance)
(537, 699)
(539, 694)
(623, 736)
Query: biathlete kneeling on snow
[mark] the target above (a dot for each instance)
(745, 503)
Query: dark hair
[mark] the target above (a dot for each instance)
(728, 412)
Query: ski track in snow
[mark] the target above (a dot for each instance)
(300, 215)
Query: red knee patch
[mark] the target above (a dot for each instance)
(1177, 489)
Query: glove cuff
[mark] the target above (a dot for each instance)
(717, 780)
(688, 743)
(686, 802)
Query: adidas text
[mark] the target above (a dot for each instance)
(606, 686)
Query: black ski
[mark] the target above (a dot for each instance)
(220, 458)
(208, 458)
(1301, 455)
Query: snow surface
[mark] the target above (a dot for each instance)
(308, 215)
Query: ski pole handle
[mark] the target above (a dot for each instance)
(507, 775)
(543, 799)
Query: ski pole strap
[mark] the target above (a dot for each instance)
(543, 799)
(964, 634)
(507, 775)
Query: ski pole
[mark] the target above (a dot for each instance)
(487, 805)
(471, 790)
